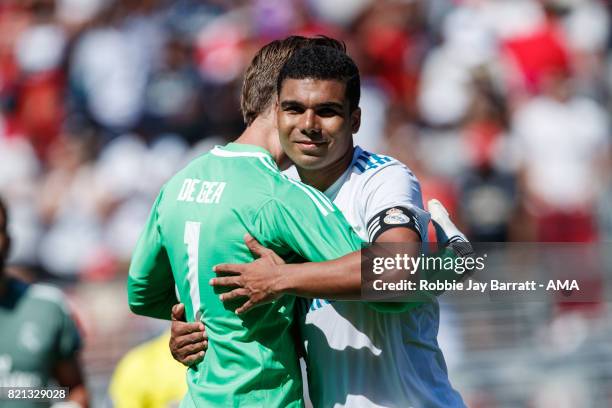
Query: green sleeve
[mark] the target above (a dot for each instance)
(313, 234)
(150, 282)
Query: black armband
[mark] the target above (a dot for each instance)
(391, 218)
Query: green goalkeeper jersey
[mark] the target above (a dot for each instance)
(199, 220)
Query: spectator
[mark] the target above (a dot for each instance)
(40, 340)
(563, 141)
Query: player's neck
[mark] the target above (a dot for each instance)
(263, 133)
(322, 179)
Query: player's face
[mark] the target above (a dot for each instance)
(315, 123)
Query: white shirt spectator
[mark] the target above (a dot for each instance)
(559, 144)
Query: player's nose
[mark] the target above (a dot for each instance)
(309, 125)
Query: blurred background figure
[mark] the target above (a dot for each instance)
(40, 343)
(500, 107)
(148, 376)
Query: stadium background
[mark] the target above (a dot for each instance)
(500, 107)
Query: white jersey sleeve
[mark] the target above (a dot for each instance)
(392, 198)
(357, 356)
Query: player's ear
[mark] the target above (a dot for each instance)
(355, 120)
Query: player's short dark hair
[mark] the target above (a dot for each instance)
(316, 62)
(258, 88)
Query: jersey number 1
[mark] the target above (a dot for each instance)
(192, 240)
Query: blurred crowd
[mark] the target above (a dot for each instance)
(500, 107)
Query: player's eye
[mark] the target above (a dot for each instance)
(295, 109)
(326, 112)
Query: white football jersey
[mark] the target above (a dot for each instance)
(356, 356)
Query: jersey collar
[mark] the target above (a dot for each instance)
(246, 150)
(332, 191)
(243, 147)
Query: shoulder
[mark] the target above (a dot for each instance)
(187, 171)
(591, 114)
(368, 163)
(49, 295)
(395, 172)
(374, 170)
(391, 194)
(294, 194)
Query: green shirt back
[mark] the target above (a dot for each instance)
(199, 220)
